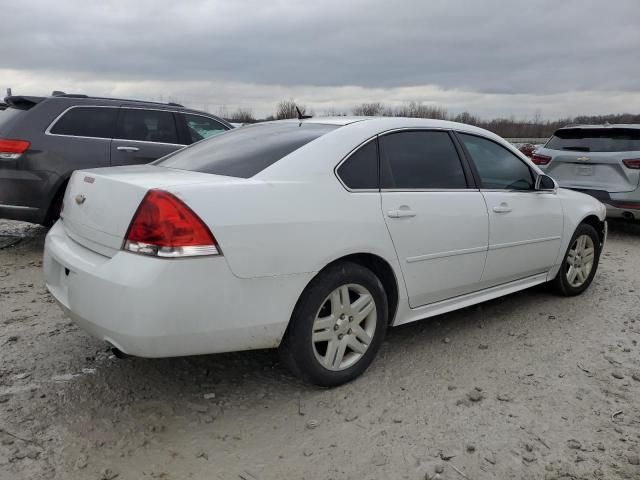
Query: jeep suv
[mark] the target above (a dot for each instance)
(44, 139)
(600, 160)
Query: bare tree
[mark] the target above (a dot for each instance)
(375, 109)
(287, 109)
(242, 115)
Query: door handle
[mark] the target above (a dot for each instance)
(401, 213)
(502, 208)
(128, 149)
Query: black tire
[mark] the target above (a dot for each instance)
(53, 214)
(297, 350)
(561, 283)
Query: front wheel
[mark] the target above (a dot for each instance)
(580, 262)
(337, 326)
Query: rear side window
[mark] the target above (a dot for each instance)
(360, 170)
(148, 126)
(596, 140)
(497, 167)
(200, 127)
(420, 160)
(245, 151)
(98, 122)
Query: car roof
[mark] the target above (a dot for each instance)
(385, 123)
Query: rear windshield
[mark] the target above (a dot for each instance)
(245, 151)
(596, 140)
(7, 116)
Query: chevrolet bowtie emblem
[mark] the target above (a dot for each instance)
(583, 159)
(80, 199)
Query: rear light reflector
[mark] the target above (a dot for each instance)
(164, 226)
(12, 149)
(540, 159)
(633, 163)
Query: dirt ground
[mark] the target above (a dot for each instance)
(528, 386)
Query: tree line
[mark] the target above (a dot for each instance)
(537, 127)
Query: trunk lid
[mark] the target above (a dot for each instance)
(100, 203)
(592, 170)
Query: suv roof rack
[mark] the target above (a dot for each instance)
(81, 95)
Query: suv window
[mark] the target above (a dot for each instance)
(201, 127)
(498, 167)
(246, 151)
(596, 140)
(419, 160)
(147, 126)
(360, 170)
(98, 122)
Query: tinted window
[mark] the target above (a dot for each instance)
(148, 126)
(87, 122)
(246, 151)
(596, 140)
(200, 127)
(418, 159)
(360, 170)
(498, 167)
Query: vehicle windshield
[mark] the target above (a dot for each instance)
(246, 151)
(596, 140)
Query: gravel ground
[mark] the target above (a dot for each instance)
(527, 386)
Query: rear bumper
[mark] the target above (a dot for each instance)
(153, 307)
(619, 205)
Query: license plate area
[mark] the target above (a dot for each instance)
(585, 170)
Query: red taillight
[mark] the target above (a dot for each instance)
(540, 159)
(12, 149)
(164, 226)
(633, 163)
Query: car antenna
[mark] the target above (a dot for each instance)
(301, 116)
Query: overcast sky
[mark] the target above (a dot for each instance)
(489, 57)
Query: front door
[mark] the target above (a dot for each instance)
(143, 136)
(525, 225)
(437, 220)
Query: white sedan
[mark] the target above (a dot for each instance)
(312, 236)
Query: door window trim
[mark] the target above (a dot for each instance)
(120, 107)
(476, 174)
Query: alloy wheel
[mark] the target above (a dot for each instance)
(580, 260)
(344, 327)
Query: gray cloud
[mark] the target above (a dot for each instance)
(528, 48)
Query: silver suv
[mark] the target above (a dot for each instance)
(600, 160)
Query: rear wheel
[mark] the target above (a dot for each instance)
(53, 214)
(580, 262)
(337, 326)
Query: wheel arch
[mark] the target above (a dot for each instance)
(380, 267)
(597, 224)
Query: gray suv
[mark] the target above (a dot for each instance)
(44, 139)
(600, 160)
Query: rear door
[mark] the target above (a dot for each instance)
(592, 158)
(437, 218)
(525, 225)
(144, 135)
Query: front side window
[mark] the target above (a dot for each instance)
(98, 122)
(200, 127)
(420, 160)
(360, 170)
(497, 167)
(148, 126)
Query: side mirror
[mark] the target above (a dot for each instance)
(544, 183)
